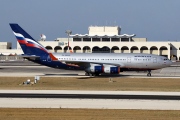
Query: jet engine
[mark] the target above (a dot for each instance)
(95, 68)
(111, 69)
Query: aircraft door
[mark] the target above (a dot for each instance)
(154, 60)
(128, 60)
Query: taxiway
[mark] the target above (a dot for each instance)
(31, 69)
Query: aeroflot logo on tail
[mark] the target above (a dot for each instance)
(31, 43)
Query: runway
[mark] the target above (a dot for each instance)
(90, 96)
(103, 101)
(106, 100)
(78, 94)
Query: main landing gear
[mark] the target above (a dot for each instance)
(86, 74)
(91, 74)
(149, 73)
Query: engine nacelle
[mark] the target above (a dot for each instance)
(95, 68)
(111, 69)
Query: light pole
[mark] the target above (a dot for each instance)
(68, 32)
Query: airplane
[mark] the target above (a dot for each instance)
(93, 64)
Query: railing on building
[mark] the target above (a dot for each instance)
(11, 58)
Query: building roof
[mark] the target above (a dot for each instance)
(104, 36)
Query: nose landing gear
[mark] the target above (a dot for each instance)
(149, 73)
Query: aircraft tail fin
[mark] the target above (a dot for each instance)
(29, 45)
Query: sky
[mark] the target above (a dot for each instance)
(156, 20)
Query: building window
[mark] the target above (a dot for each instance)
(76, 39)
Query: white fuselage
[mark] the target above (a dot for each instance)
(123, 60)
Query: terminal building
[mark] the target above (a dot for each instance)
(104, 39)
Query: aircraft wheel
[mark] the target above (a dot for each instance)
(96, 74)
(91, 74)
(86, 74)
(149, 74)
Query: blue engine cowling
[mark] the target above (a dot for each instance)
(112, 69)
(95, 68)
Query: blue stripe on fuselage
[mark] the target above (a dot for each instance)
(19, 38)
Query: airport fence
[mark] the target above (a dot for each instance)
(11, 58)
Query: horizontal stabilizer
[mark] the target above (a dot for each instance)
(30, 56)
